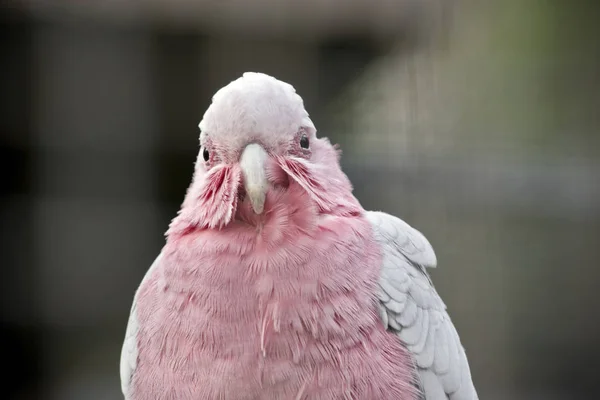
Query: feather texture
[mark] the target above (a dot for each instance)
(129, 351)
(415, 312)
(237, 314)
(286, 302)
(272, 306)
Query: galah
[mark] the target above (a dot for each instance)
(275, 283)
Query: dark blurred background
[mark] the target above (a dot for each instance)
(475, 121)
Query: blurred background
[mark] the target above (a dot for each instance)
(475, 121)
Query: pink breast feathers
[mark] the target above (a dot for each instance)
(284, 312)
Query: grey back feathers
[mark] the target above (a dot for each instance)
(411, 308)
(129, 351)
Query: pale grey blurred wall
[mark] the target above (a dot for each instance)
(476, 122)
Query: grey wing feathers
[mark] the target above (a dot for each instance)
(129, 352)
(411, 308)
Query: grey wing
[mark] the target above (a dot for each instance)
(411, 308)
(129, 352)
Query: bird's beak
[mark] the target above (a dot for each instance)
(252, 163)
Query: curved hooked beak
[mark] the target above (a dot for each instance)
(252, 163)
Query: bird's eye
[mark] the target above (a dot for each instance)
(304, 142)
(205, 154)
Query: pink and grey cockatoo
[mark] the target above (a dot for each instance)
(275, 283)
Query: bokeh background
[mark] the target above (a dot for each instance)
(475, 121)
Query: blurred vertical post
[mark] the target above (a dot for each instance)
(95, 212)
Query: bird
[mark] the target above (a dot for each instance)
(275, 283)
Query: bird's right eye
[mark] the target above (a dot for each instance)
(304, 142)
(205, 154)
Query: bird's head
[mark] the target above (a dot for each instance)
(256, 141)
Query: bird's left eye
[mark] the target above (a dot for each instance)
(304, 142)
(205, 154)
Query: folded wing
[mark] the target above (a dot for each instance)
(411, 308)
